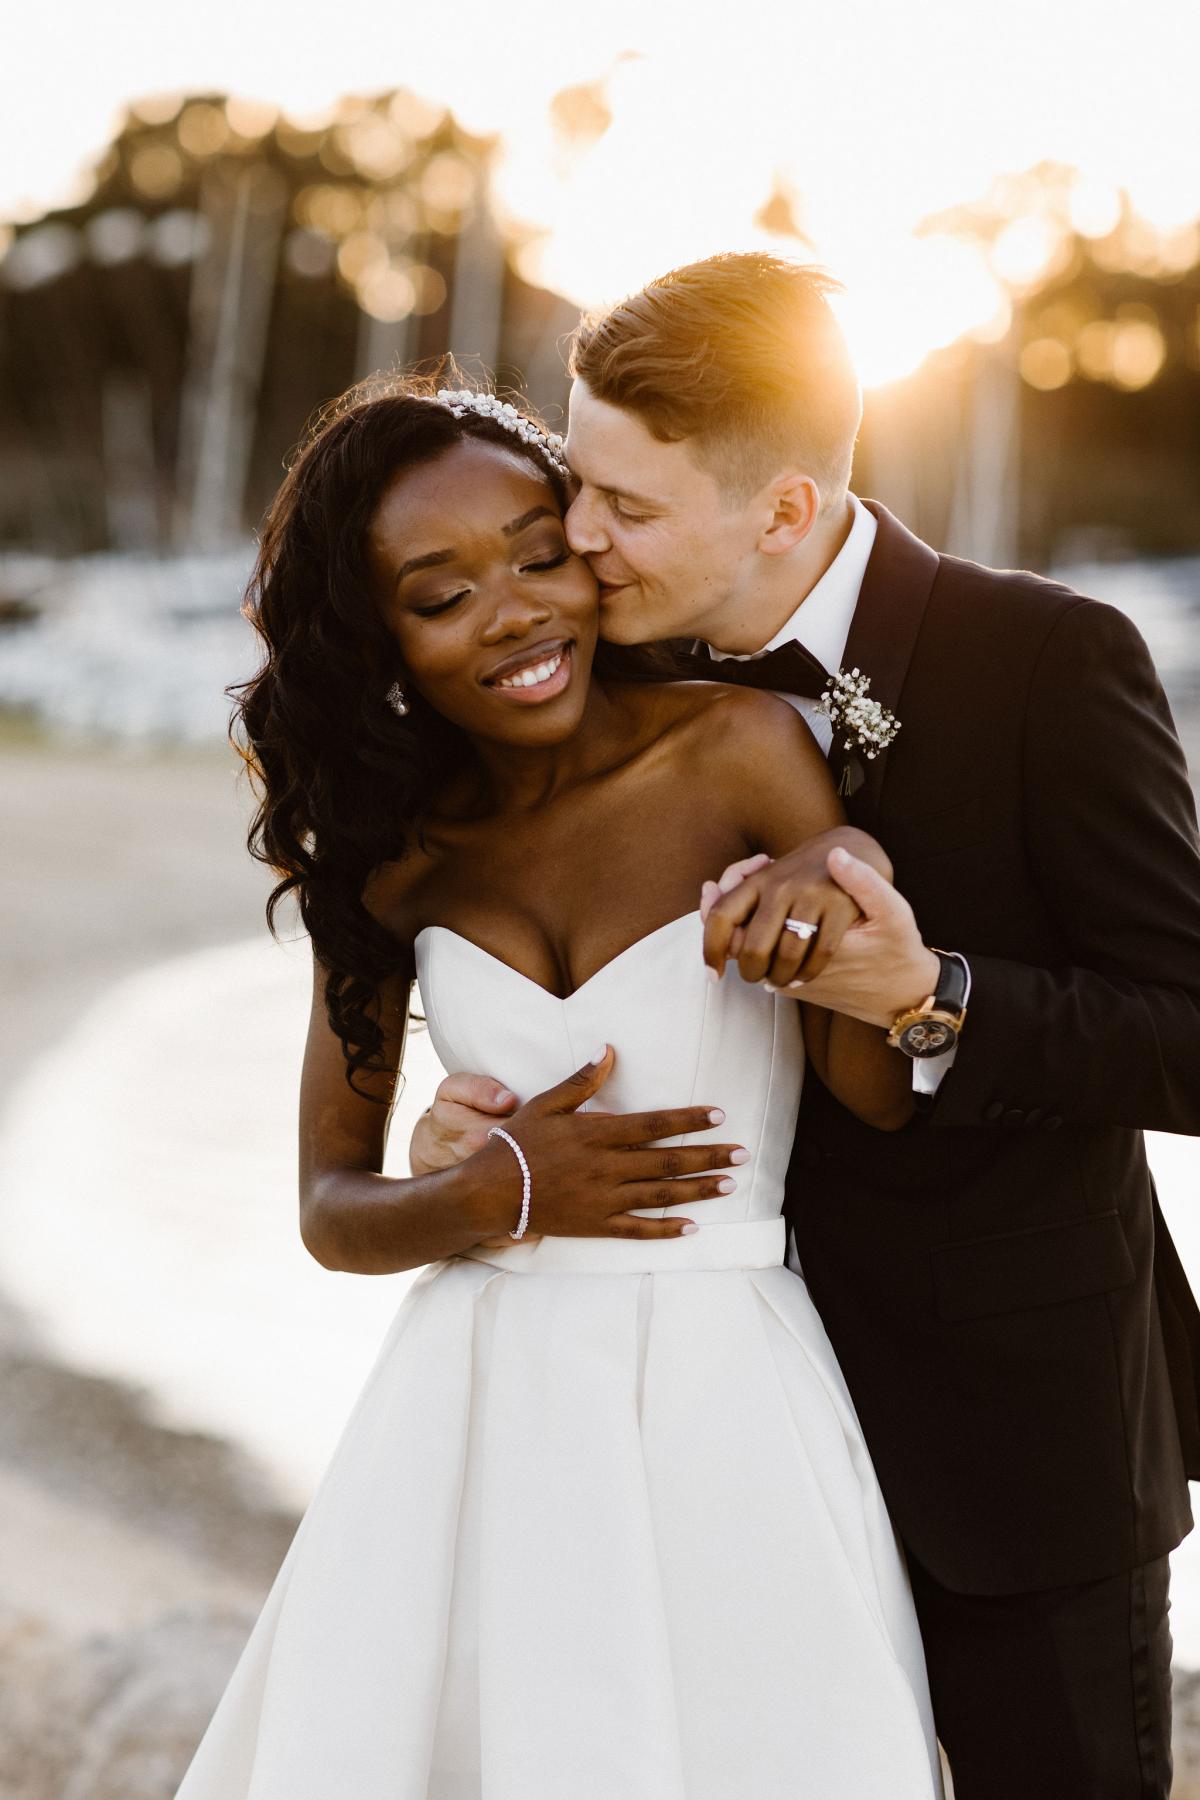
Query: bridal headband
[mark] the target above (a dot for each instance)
(461, 401)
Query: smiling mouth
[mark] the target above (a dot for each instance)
(539, 680)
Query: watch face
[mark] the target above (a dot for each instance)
(927, 1037)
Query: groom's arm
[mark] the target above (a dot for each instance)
(1110, 1035)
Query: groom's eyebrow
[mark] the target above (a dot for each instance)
(433, 559)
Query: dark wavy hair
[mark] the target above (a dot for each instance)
(342, 783)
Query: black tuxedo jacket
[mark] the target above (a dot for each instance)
(996, 1279)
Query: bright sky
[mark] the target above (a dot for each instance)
(876, 114)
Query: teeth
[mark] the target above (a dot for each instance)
(534, 676)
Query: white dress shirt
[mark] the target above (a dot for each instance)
(821, 623)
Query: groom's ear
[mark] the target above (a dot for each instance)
(793, 504)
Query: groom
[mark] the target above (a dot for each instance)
(996, 1279)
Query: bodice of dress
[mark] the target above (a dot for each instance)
(680, 1038)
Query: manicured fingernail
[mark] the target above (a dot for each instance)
(504, 1096)
(795, 984)
(716, 1116)
(767, 988)
(739, 1155)
(687, 1230)
(599, 1055)
(713, 974)
(726, 1185)
(839, 855)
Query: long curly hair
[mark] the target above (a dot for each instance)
(341, 782)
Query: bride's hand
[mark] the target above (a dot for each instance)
(746, 912)
(591, 1170)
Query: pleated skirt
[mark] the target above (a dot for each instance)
(588, 1536)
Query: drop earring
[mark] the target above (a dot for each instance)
(397, 699)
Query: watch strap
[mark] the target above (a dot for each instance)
(954, 984)
(933, 1027)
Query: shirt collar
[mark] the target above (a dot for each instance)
(823, 618)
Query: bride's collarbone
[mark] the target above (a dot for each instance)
(560, 891)
(558, 919)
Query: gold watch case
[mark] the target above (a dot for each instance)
(925, 1030)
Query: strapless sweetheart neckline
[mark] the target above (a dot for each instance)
(562, 999)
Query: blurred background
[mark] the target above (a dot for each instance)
(208, 226)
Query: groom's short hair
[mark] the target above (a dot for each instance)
(742, 356)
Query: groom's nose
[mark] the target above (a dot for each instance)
(584, 524)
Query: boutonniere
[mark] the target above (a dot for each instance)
(868, 726)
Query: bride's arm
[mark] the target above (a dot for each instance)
(589, 1170)
(786, 798)
(352, 1216)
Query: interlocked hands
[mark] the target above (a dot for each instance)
(868, 959)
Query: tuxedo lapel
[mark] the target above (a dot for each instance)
(884, 630)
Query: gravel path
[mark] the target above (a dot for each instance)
(132, 1558)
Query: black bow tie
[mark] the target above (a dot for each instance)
(789, 670)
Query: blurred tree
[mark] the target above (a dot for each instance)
(1079, 432)
(163, 341)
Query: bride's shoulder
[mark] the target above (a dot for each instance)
(733, 723)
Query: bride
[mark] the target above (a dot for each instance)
(602, 1525)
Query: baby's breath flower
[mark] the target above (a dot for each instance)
(869, 726)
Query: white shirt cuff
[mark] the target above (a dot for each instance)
(929, 1072)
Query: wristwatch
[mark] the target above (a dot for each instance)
(933, 1027)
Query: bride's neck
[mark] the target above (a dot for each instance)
(521, 778)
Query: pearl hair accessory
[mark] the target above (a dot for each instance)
(397, 699)
(498, 1131)
(461, 401)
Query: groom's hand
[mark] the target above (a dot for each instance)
(883, 965)
(745, 913)
(464, 1110)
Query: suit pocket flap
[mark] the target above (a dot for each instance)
(1042, 1266)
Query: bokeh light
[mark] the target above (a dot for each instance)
(1046, 363)
(622, 146)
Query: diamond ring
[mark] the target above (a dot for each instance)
(801, 927)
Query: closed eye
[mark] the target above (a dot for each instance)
(553, 562)
(627, 518)
(439, 606)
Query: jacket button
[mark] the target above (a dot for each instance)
(994, 1110)
(1051, 1122)
(1034, 1116)
(1014, 1116)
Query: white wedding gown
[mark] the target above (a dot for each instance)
(602, 1525)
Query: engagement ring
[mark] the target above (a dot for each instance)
(801, 928)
